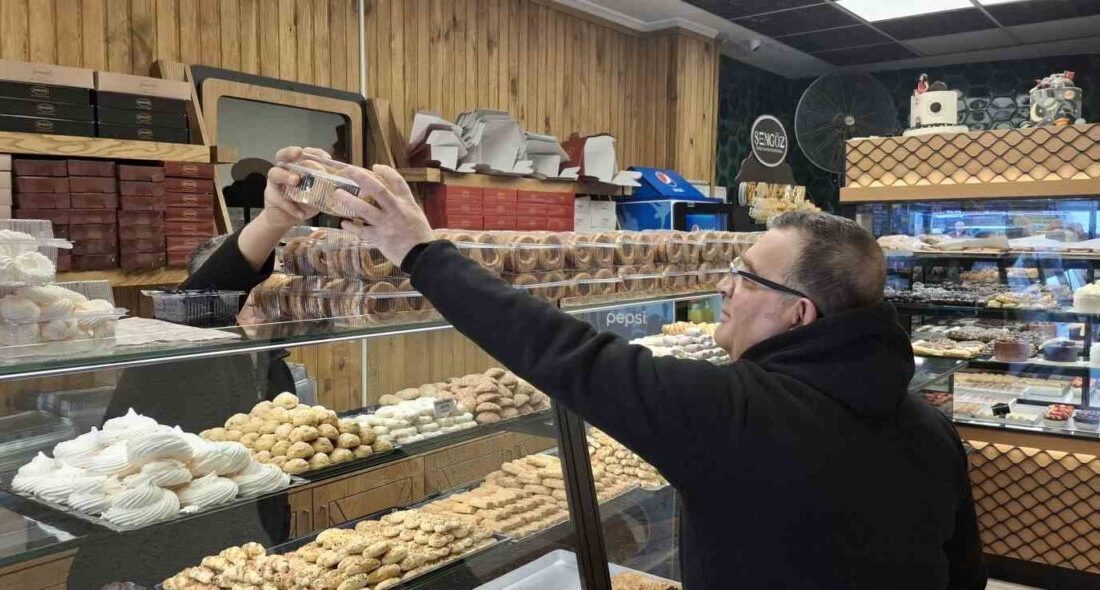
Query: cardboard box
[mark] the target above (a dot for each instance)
(183, 244)
(54, 216)
(559, 224)
(189, 200)
(95, 262)
(35, 73)
(45, 92)
(136, 102)
(92, 232)
(189, 185)
(455, 205)
(43, 200)
(141, 232)
(92, 184)
(188, 170)
(142, 246)
(530, 223)
(93, 216)
(457, 221)
(91, 168)
(50, 126)
(128, 188)
(188, 214)
(544, 198)
(499, 222)
(530, 210)
(5, 212)
(500, 209)
(499, 195)
(5, 197)
(582, 213)
(140, 118)
(94, 201)
(192, 228)
(163, 134)
(178, 258)
(602, 216)
(139, 218)
(141, 173)
(46, 110)
(560, 211)
(86, 247)
(142, 85)
(41, 184)
(5, 162)
(142, 203)
(140, 261)
(5, 180)
(38, 167)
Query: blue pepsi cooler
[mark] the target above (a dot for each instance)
(667, 201)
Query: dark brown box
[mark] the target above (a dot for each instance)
(193, 229)
(61, 232)
(137, 102)
(51, 126)
(163, 134)
(196, 200)
(184, 244)
(142, 203)
(43, 200)
(188, 170)
(92, 232)
(36, 167)
(139, 218)
(136, 118)
(141, 246)
(141, 232)
(41, 184)
(86, 247)
(92, 184)
(93, 216)
(143, 261)
(94, 201)
(46, 92)
(189, 185)
(129, 188)
(91, 168)
(54, 216)
(46, 110)
(178, 258)
(142, 173)
(64, 261)
(188, 214)
(95, 262)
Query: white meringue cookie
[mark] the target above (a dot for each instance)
(111, 461)
(209, 490)
(8, 273)
(157, 446)
(166, 474)
(94, 494)
(57, 309)
(19, 309)
(30, 474)
(126, 427)
(143, 505)
(34, 268)
(59, 330)
(58, 484)
(221, 458)
(258, 478)
(79, 451)
(14, 243)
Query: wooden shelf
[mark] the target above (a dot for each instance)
(985, 190)
(122, 278)
(100, 147)
(437, 176)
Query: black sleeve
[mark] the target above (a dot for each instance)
(227, 270)
(641, 400)
(964, 550)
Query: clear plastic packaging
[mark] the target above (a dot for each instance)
(318, 188)
(594, 284)
(552, 286)
(26, 334)
(28, 252)
(25, 434)
(350, 302)
(635, 248)
(589, 251)
(673, 247)
(337, 254)
(532, 251)
(710, 274)
(676, 279)
(200, 309)
(644, 278)
(483, 248)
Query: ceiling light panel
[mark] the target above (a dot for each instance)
(876, 10)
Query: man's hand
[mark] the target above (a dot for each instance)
(279, 212)
(397, 223)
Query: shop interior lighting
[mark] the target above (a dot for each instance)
(876, 10)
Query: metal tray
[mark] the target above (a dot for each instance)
(558, 570)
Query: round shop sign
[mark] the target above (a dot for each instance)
(769, 141)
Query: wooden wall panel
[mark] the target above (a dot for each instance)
(311, 41)
(554, 69)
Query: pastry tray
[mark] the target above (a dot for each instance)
(295, 482)
(556, 569)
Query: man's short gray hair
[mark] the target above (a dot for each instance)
(202, 253)
(840, 267)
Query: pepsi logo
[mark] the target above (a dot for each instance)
(665, 178)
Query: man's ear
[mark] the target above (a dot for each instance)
(805, 312)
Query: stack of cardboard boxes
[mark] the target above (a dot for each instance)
(38, 98)
(5, 186)
(459, 207)
(544, 211)
(189, 216)
(143, 197)
(136, 107)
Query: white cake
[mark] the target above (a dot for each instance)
(1087, 299)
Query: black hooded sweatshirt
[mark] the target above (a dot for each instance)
(805, 464)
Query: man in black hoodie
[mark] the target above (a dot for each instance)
(803, 464)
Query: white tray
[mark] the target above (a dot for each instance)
(557, 569)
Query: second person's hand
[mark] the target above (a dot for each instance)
(396, 222)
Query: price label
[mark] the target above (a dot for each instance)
(444, 407)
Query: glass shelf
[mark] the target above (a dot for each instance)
(930, 370)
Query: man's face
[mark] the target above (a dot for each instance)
(752, 313)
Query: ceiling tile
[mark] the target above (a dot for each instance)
(934, 25)
(1072, 28)
(835, 39)
(732, 9)
(1035, 11)
(866, 55)
(960, 42)
(790, 22)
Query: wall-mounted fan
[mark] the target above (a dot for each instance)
(838, 107)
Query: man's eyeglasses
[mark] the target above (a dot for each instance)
(737, 269)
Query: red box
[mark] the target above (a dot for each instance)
(92, 232)
(41, 184)
(137, 188)
(142, 260)
(64, 261)
(189, 200)
(456, 221)
(95, 262)
(183, 244)
(455, 205)
(141, 232)
(85, 247)
(54, 216)
(33, 167)
(92, 184)
(189, 185)
(447, 191)
(499, 195)
(91, 168)
(562, 211)
(530, 223)
(188, 214)
(194, 228)
(544, 198)
(43, 200)
(139, 218)
(559, 224)
(142, 203)
(188, 170)
(94, 201)
(141, 246)
(93, 216)
(530, 210)
(143, 173)
(500, 222)
(499, 209)
(178, 258)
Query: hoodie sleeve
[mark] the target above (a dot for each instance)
(227, 269)
(641, 400)
(966, 567)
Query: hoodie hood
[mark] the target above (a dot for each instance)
(861, 358)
